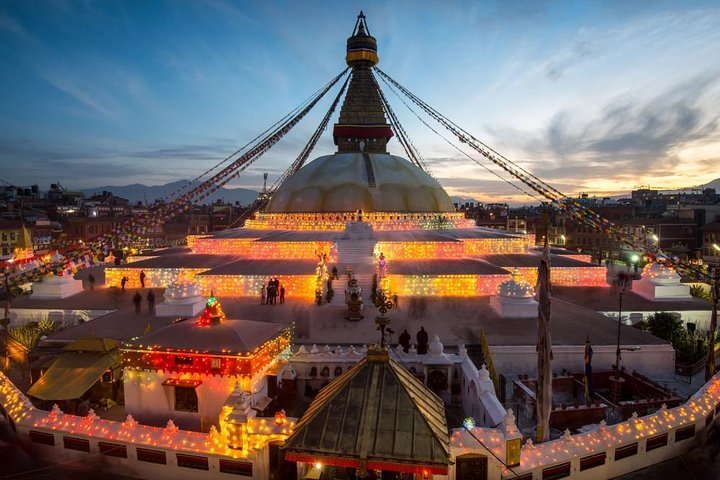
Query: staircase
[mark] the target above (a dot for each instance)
(358, 254)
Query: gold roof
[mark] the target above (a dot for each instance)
(377, 412)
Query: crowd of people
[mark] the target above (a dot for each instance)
(269, 294)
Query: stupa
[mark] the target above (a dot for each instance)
(352, 205)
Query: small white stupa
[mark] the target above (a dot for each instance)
(56, 287)
(182, 299)
(515, 299)
(660, 282)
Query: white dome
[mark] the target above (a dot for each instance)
(661, 274)
(516, 290)
(182, 289)
(344, 183)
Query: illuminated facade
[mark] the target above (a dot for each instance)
(186, 370)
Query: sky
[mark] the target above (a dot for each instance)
(597, 97)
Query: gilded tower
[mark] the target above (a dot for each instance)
(362, 126)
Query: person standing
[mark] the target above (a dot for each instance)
(91, 281)
(123, 282)
(263, 294)
(142, 278)
(137, 300)
(404, 340)
(282, 294)
(422, 339)
(151, 302)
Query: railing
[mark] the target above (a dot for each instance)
(63, 437)
(489, 361)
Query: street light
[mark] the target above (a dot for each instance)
(634, 259)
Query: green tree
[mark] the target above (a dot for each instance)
(666, 325)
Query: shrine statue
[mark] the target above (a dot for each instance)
(354, 300)
(382, 265)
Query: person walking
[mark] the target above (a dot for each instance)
(123, 282)
(142, 278)
(91, 281)
(151, 302)
(282, 294)
(263, 294)
(334, 272)
(137, 300)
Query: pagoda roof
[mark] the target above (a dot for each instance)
(375, 415)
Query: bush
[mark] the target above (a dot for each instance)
(642, 325)
(666, 325)
(701, 292)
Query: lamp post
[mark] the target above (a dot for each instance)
(616, 380)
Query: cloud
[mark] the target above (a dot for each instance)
(628, 136)
(72, 87)
(579, 53)
(14, 27)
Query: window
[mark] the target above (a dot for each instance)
(338, 371)
(558, 471)
(685, 433)
(186, 399)
(42, 438)
(592, 461)
(236, 468)
(656, 442)
(192, 461)
(325, 372)
(79, 444)
(313, 372)
(215, 363)
(112, 449)
(151, 456)
(624, 452)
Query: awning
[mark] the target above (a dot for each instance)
(71, 375)
(178, 382)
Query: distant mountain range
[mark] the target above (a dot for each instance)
(141, 193)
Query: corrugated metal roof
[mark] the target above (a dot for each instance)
(72, 374)
(376, 411)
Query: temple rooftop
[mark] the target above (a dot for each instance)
(228, 336)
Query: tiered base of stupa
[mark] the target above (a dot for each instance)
(426, 254)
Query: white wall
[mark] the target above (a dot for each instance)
(21, 316)
(657, 361)
(151, 403)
